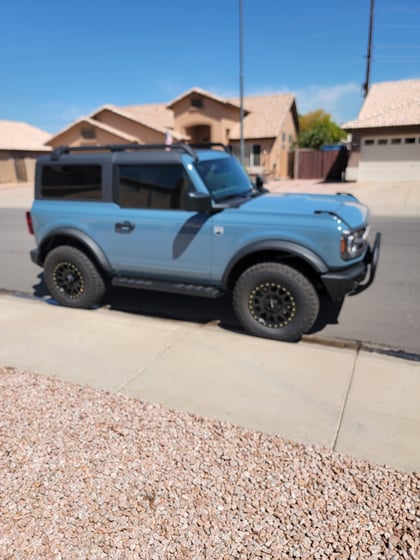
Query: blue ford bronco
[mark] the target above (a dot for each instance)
(189, 220)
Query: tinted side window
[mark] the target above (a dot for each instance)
(75, 182)
(158, 187)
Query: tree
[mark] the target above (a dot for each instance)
(318, 129)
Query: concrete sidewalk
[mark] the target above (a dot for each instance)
(356, 402)
(384, 199)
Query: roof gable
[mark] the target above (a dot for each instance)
(389, 104)
(204, 93)
(95, 124)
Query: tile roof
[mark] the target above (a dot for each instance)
(389, 104)
(148, 117)
(266, 115)
(156, 114)
(22, 136)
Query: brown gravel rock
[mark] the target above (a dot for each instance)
(90, 475)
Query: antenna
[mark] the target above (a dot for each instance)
(369, 52)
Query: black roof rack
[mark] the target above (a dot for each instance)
(55, 154)
(209, 145)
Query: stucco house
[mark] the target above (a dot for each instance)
(20, 145)
(385, 137)
(198, 116)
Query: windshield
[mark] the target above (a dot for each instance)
(224, 178)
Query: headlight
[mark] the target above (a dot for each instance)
(353, 243)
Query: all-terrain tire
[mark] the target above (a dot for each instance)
(72, 278)
(273, 300)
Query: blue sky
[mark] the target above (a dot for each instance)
(61, 60)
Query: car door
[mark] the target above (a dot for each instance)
(154, 234)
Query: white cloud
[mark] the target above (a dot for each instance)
(341, 101)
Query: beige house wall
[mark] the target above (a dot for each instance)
(8, 165)
(278, 161)
(73, 137)
(219, 117)
(30, 163)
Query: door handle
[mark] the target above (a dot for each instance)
(124, 227)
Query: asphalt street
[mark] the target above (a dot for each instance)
(388, 313)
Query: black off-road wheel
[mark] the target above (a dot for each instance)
(273, 300)
(72, 278)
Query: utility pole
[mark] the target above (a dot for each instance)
(241, 85)
(369, 52)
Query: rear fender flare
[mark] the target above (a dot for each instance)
(83, 239)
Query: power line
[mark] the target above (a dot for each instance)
(369, 52)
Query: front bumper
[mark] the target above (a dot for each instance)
(356, 278)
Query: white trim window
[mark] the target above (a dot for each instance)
(255, 155)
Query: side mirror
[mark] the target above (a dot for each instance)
(259, 183)
(198, 202)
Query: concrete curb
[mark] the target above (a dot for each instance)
(355, 345)
(358, 345)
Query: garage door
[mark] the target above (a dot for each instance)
(390, 159)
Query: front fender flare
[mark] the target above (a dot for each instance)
(81, 237)
(289, 247)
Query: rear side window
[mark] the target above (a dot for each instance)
(74, 182)
(152, 186)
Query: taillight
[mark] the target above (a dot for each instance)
(29, 222)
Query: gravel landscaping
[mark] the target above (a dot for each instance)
(85, 474)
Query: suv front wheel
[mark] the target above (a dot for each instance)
(273, 300)
(72, 278)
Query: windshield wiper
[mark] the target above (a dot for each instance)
(241, 195)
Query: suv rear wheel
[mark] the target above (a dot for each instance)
(72, 278)
(273, 300)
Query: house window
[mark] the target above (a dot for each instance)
(197, 102)
(410, 141)
(283, 137)
(382, 141)
(88, 133)
(396, 141)
(255, 155)
(369, 142)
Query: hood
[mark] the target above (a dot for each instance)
(345, 206)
